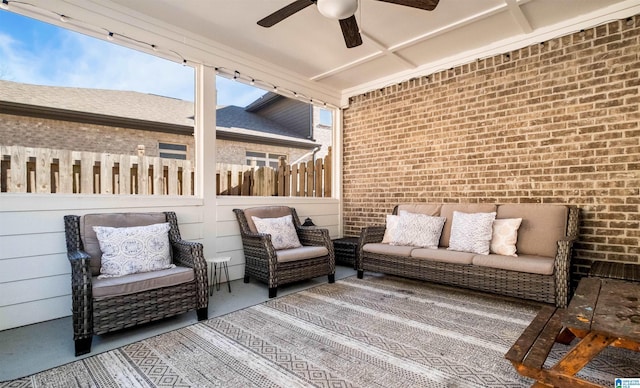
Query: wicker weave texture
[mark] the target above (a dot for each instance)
(543, 288)
(261, 260)
(98, 316)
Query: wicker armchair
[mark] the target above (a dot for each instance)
(276, 267)
(100, 307)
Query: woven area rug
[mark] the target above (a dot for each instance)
(381, 331)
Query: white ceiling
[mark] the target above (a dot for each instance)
(398, 42)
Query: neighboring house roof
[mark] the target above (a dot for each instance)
(232, 116)
(138, 110)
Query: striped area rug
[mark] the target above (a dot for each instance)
(381, 331)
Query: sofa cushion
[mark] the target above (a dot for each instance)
(530, 264)
(117, 220)
(134, 249)
(443, 255)
(418, 230)
(471, 232)
(386, 249)
(447, 210)
(301, 253)
(283, 233)
(542, 226)
(505, 236)
(265, 212)
(429, 209)
(130, 284)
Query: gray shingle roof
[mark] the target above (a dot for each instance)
(236, 117)
(118, 103)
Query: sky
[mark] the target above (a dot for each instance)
(39, 53)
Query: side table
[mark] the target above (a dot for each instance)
(215, 273)
(345, 250)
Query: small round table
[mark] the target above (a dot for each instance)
(216, 274)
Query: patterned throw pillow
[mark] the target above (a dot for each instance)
(471, 232)
(391, 229)
(505, 236)
(282, 231)
(132, 250)
(419, 230)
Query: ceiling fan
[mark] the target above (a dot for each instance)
(341, 10)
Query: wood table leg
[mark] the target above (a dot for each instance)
(565, 336)
(584, 351)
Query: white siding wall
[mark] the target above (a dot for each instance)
(35, 274)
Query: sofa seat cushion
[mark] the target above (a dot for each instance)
(130, 284)
(301, 253)
(386, 249)
(443, 255)
(524, 263)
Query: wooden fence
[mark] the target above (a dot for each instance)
(43, 170)
(310, 179)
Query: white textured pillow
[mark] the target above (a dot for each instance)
(135, 249)
(391, 229)
(282, 231)
(471, 232)
(505, 236)
(419, 230)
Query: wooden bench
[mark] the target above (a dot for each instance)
(529, 353)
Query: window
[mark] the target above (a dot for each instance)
(264, 159)
(326, 117)
(173, 151)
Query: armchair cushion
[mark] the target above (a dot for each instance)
(132, 250)
(301, 253)
(130, 284)
(283, 233)
(116, 220)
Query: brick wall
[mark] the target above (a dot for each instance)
(556, 122)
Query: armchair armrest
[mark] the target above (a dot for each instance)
(191, 254)
(81, 294)
(314, 236)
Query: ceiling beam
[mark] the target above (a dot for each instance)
(384, 51)
(519, 16)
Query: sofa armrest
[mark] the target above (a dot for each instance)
(191, 254)
(368, 234)
(562, 270)
(318, 236)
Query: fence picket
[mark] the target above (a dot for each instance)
(63, 171)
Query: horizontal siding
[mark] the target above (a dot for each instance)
(34, 270)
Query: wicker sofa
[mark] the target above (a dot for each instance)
(108, 304)
(540, 271)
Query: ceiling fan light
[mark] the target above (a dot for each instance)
(337, 9)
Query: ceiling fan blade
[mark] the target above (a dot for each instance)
(351, 32)
(427, 5)
(284, 12)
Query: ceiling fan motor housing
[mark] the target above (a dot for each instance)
(337, 9)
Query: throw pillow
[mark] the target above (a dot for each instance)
(419, 230)
(283, 232)
(135, 249)
(471, 232)
(505, 236)
(391, 229)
